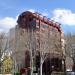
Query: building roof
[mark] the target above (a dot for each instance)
(27, 16)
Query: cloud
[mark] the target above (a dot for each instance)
(1, 29)
(32, 10)
(43, 13)
(64, 16)
(9, 22)
(6, 23)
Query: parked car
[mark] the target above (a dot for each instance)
(70, 73)
(62, 73)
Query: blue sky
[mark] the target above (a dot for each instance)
(62, 11)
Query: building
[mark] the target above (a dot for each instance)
(38, 40)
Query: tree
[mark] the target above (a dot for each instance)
(2, 39)
(70, 47)
(7, 65)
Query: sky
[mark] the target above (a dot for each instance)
(62, 11)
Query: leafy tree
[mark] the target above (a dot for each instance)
(7, 64)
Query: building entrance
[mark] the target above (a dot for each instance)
(50, 65)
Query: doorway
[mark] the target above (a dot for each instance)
(50, 65)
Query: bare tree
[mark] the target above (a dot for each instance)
(2, 37)
(70, 47)
(70, 44)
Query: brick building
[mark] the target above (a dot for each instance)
(39, 42)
